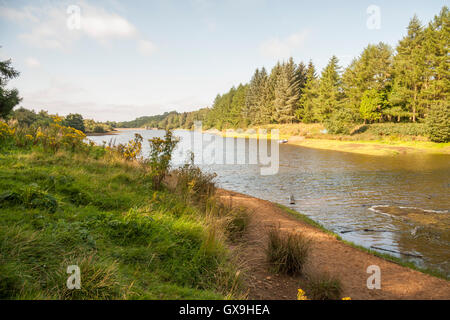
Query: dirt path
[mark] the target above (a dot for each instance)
(327, 254)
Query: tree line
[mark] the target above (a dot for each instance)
(408, 84)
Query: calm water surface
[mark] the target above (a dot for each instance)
(339, 190)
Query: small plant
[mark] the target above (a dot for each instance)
(160, 156)
(236, 223)
(132, 149)
(30, 197)
(193, 183)
(98, 279)
(324, 286)
(287, 252)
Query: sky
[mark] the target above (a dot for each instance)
(118, 60)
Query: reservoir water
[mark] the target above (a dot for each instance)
(368, 200)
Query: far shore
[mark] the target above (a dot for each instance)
(384, 147)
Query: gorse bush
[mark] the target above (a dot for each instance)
(131, 150)
(160, 155)
(287, 252)
(51, 138)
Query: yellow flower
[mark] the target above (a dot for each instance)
(346, 298)
(57, 119)
(301, 295)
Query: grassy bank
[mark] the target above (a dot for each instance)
(375, 139)
(102, 213)
(399, 261)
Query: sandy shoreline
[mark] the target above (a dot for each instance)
(329, 255)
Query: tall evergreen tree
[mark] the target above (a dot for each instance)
(286, 93)
(370, 71)
(308, 100)
(329, 90)
(409, 69)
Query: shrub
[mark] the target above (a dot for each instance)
(193, 183)
(132, 149)
(340, 122)
(324, 286)
(401, 129)
(287, 252)
(6, 134)
(98, 279)
(160, 156)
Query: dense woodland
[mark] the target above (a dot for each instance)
(408, 84)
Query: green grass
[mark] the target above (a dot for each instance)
(287, 252)
(130, 241)
(399, 261)
(323, 286)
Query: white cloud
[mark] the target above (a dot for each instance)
(283, 48)
(99, 24)
(48, 26)
(26, 14)
(146, 47)
(32, 62)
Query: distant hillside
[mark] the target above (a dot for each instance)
(167, 120)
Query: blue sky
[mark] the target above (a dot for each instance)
(135, 58)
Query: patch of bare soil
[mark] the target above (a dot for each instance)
(327, 255)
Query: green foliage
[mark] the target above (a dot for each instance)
(131, 150)
(340, 122)
(372, 104)
(8, 98)
(160, 156)
(75, 120)
(329, 95)
(438, 122)
(399, 129)
(130, 241)
(196, 185)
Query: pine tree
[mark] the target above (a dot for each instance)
(308, 100)
(409, 69)
(370, 71)
(286, 93)
(237, 105)
(437, 74)
(329, 91)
